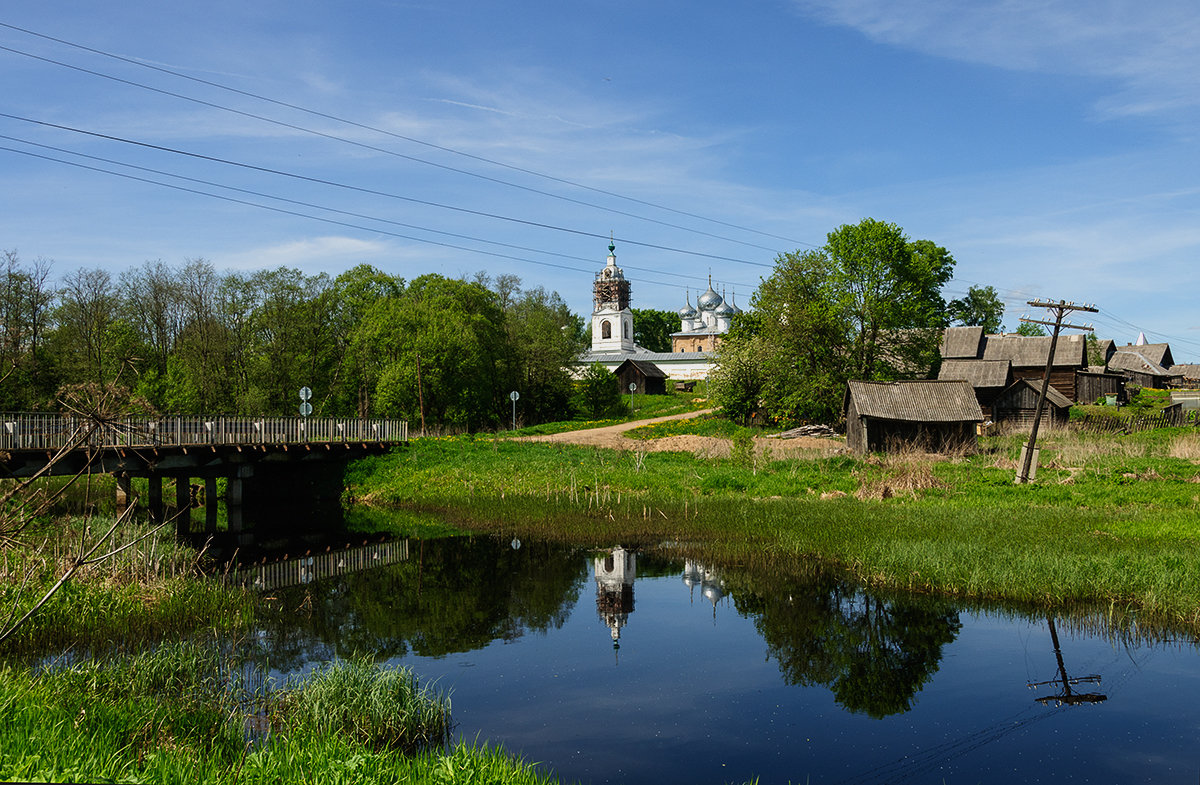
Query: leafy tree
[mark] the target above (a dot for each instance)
(600, 391)
(736, 383)
(885, 286)
(981, 307)
(652, 328)
(542, 334)
(865, 306)
(1030, 329)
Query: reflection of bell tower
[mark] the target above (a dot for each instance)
(614, 589)
(612, 320)
(712, 585)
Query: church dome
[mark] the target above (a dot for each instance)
(734, 305)
(687, 311)
(724, 309)
(709, 300)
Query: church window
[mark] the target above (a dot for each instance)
(625, 330)
(605, 329)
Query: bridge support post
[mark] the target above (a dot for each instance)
(210, 504)
(235, 495)
(155, 494)
(124, 492)
(183, 505)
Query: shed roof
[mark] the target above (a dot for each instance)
(1025, 351)
(1053, 396)
(1157, 353)
(917, 401)
(646, 368)
(962, 343)
(980, 373)
(1131, 359)
(1186, 370)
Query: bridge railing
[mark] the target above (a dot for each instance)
(38, 431)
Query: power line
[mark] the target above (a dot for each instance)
(383, 150)
(298, 214)
(374, 192)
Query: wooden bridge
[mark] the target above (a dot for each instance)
(282, 458)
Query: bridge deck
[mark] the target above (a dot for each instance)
(52, 432)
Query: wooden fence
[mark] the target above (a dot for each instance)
(30, 431)
(1167, 418)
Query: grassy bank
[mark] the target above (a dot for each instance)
(134, 705)
(153, 589)
(1111, 520)
(182, 714)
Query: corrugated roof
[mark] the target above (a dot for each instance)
(1186, 370)
(1025, 351)
(917, 401)
(1157, 353)
(980, 373)
(1127, 359)
(962, 343)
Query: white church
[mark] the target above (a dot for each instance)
(692, 347)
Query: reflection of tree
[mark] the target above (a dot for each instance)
(451, 595)
(874, 654)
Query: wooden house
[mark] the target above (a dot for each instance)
(1015, 407)
(988, 378)
(648, 377)
(930, 415)
(1188, 373)
(1142, 368)
(1028, 354)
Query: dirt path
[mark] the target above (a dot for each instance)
(613, 437)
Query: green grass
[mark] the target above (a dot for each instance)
(1110, 522)
(178, 715)
(639, 407)
(147, 592)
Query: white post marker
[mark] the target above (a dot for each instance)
(514, 396)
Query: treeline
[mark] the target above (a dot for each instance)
(191, 340)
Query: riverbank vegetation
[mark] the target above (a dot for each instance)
(1110, 521)
(183, 713)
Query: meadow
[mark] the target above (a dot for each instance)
(1109, 523)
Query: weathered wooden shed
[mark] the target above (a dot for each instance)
(930, 414)
(1015, 407)
(1096, 383)
(988, 378)
(648, 377)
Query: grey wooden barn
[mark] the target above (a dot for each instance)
(648, 377)
(934, 415)
(1016, 406)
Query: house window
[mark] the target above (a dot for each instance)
(605, 329)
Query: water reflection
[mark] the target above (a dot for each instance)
(1066, 695)
(615, 572)
(797, 676)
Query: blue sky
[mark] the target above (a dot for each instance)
(1050, 146)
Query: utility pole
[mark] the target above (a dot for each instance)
(1059, 310)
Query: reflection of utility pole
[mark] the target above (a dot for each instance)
(1059, 309)
(1067, 696)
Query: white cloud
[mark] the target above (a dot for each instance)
(1150, 50)
(319, 252)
